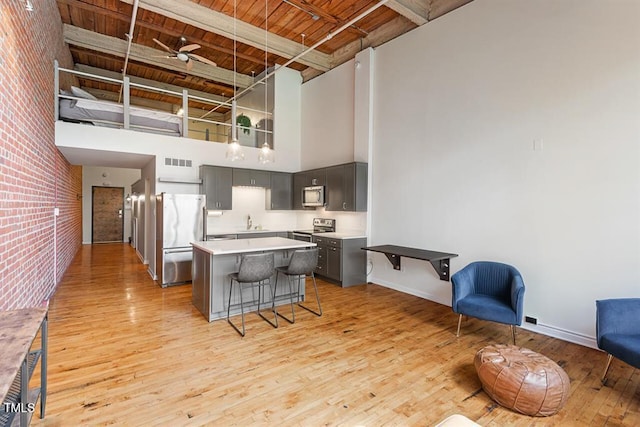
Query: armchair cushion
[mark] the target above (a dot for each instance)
(488, 308)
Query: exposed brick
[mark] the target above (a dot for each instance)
(34, 176)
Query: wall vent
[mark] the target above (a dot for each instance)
(168, 161)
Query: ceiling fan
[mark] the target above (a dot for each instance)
(185, 53)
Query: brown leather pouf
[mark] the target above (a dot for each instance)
(523, 380)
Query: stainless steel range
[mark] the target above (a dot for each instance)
(320, 225)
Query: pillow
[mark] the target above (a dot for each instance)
(82, 93)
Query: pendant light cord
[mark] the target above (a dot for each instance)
(266, 70)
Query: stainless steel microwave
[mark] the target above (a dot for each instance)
(313, 196)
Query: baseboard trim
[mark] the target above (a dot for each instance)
(411, 291)
(562, 334)
(541, 328)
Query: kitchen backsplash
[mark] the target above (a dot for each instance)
(251, 201)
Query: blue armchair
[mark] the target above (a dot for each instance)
(489, 291)
(618, 330)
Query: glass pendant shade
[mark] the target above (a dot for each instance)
(234, 149)
(266, 154)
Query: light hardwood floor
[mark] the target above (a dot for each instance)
(123, 351)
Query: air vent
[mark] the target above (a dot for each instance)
(168, 161)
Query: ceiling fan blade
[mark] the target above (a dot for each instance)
(202, 59)
(189, 47)
(189, 64)
(164, 46)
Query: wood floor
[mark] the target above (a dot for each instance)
(123, 351)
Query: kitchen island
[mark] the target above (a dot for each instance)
(213, 261)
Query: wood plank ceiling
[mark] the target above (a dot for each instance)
(97, 34)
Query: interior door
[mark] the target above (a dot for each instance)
(107, 214)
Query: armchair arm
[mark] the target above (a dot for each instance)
(517, 296)
(617, 316)
(463, 285)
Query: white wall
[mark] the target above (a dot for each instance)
(509, 131)
(105, 177)
(327, 118)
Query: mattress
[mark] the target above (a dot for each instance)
(111, 114)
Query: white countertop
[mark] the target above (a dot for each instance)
(239, 246)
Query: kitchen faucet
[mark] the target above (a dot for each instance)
(248, 222)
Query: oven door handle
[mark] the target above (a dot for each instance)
(305, 236)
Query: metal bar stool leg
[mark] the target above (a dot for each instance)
(293, 314)
(315, 287)
(275, 312)
(241, 309)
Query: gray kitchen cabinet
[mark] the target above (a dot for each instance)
(201, 277)
(299, 182)
(216, 185)
(341, 260)
(316, 177)
(280, 192)
(250, 178)
(347, 187)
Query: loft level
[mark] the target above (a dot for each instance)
(147, 107)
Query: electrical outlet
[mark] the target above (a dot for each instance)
(530, 319)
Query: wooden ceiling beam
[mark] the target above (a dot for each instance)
(383, 34)
(386, 32)
(219, 23)
(326, 16)
(156, 105)
(437, 8)
(117, 47)
(217, 88)
(77, 4)
(417, 11)
(142, 81)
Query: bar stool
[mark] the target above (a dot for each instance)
(255, 270)
(303, 263)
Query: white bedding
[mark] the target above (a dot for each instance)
(110, 114)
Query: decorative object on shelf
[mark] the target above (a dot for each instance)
(234, 150)
(244, 122)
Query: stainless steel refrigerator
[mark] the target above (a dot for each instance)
(179, 221)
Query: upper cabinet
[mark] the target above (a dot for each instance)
(216, 185)
(250, 178)
(299, 182)
(316, 177)
(280, 191)
(346, 187)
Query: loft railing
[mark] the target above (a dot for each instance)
(207, 129)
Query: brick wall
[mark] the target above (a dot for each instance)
(35, 247)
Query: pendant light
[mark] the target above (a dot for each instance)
(234, 149)
(266, 152)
